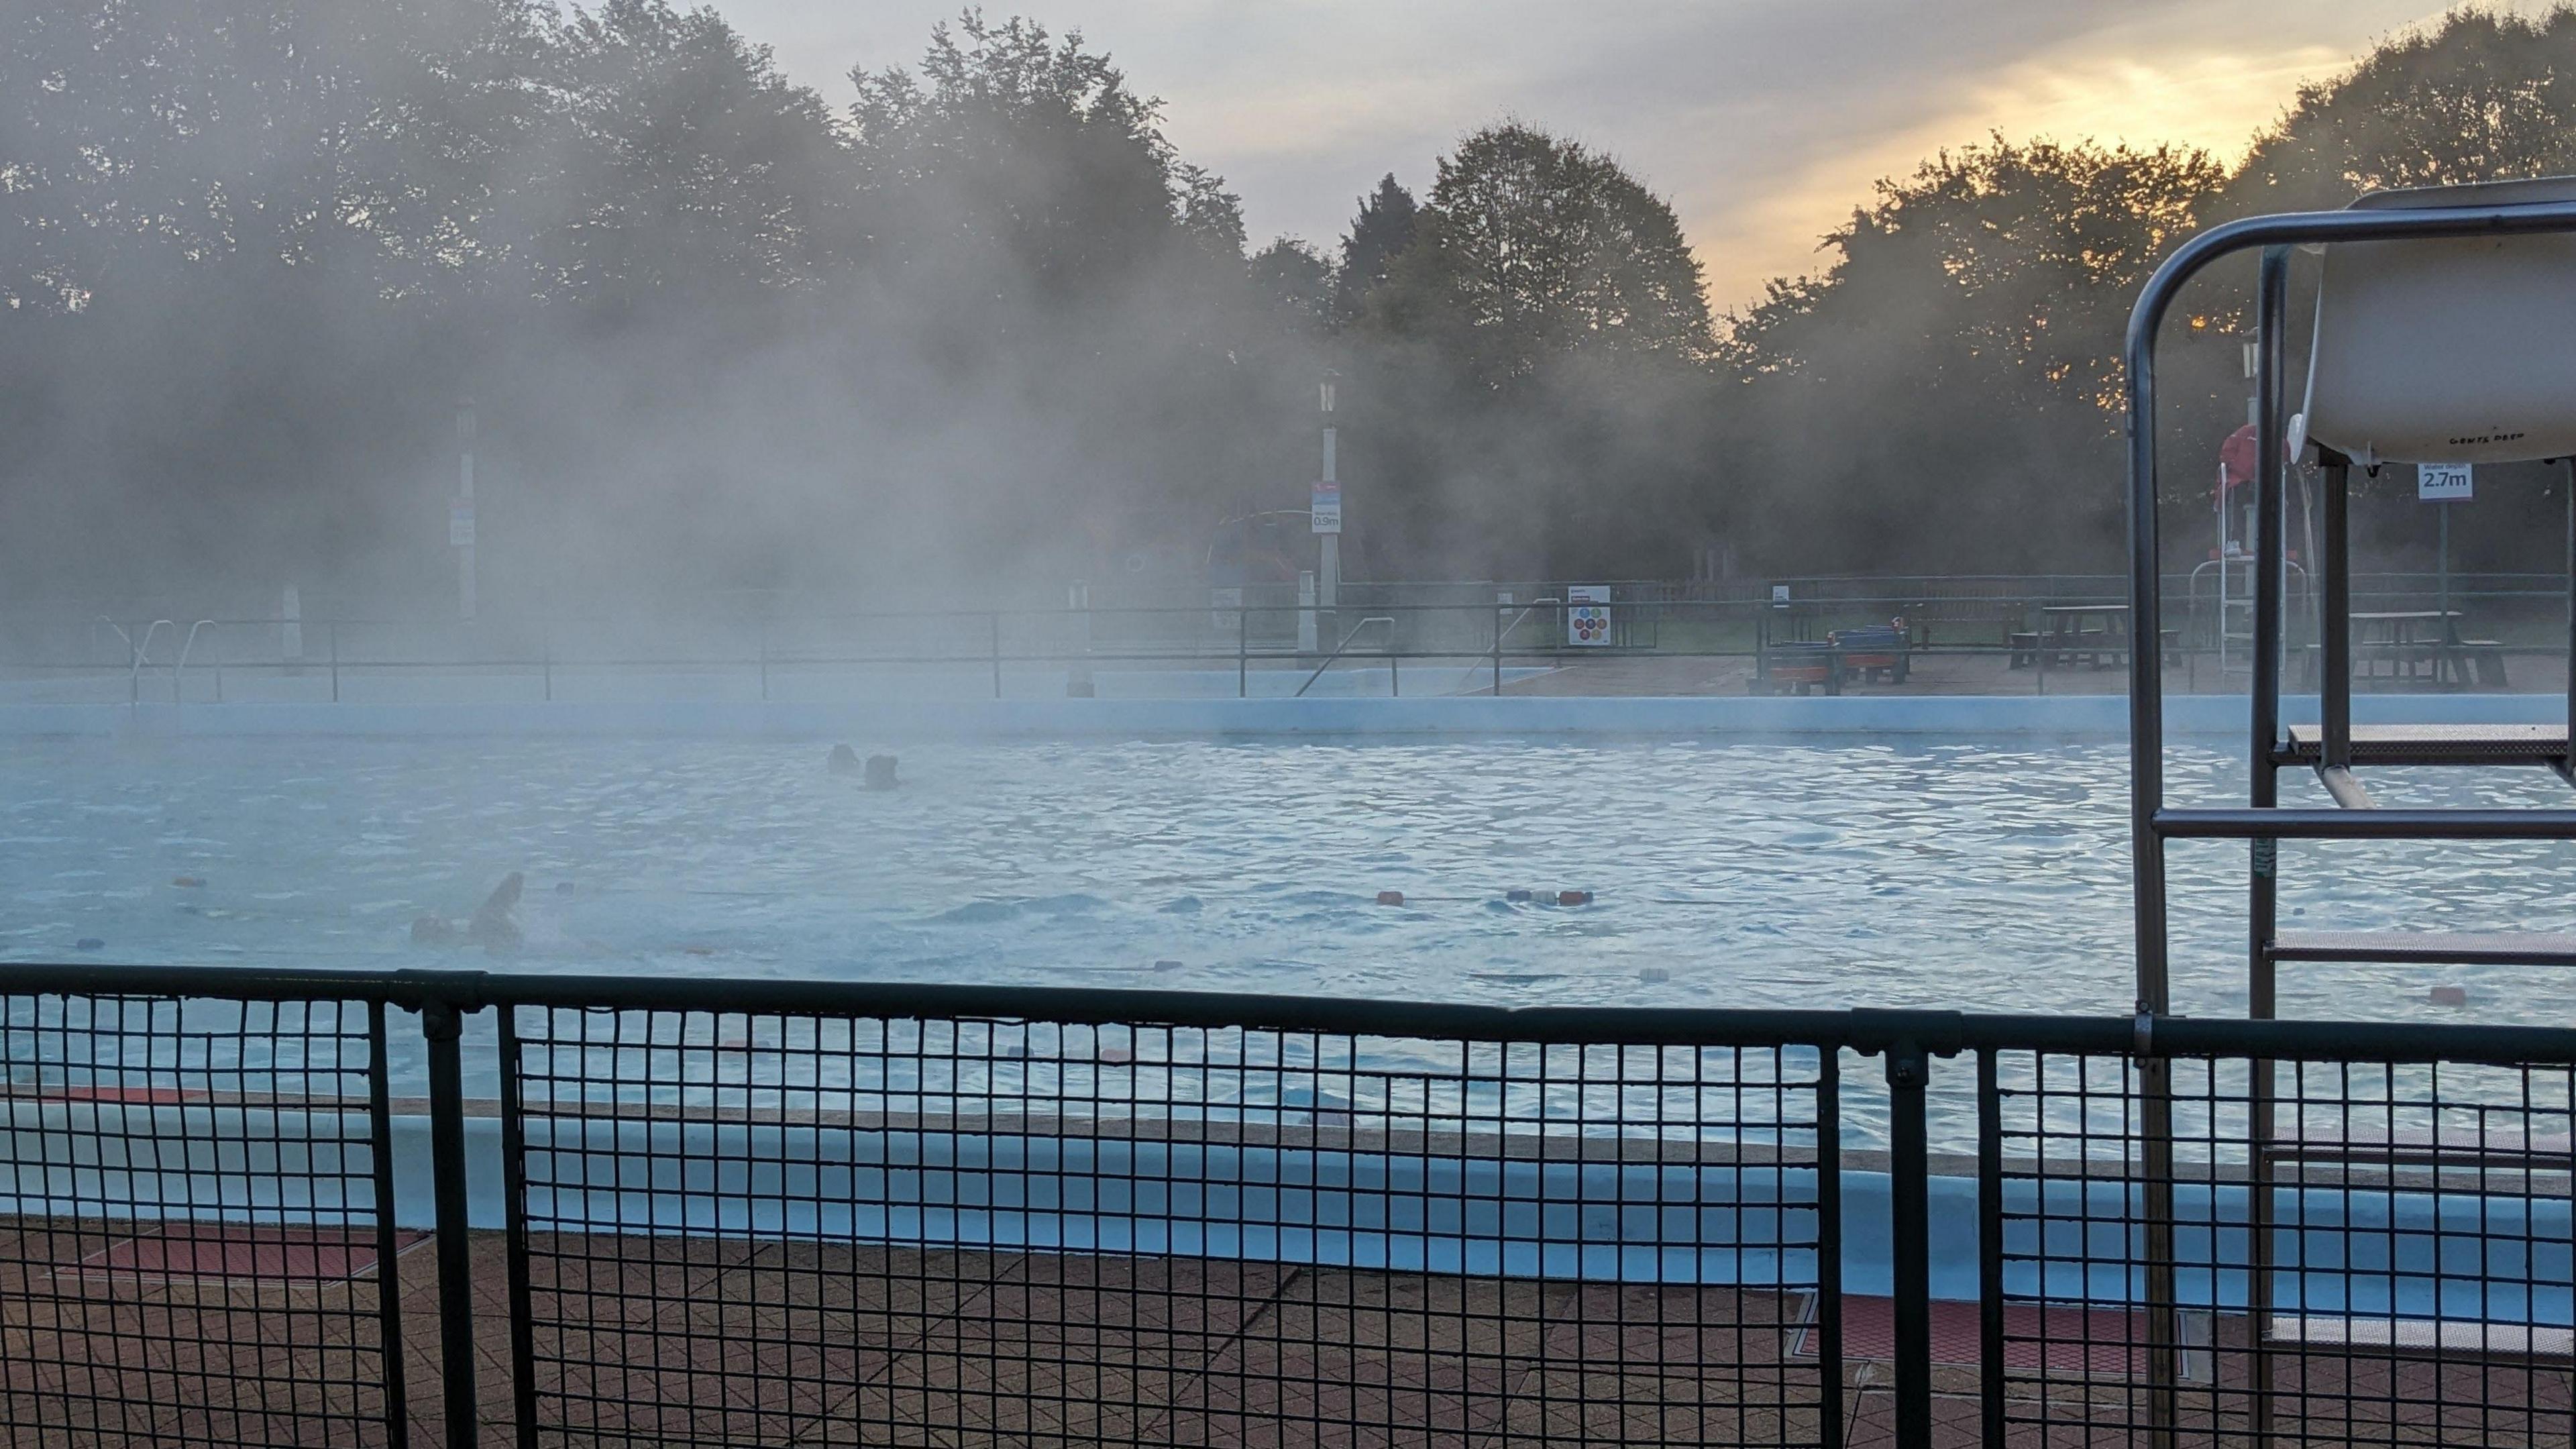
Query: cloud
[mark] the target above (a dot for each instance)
(1765, 121)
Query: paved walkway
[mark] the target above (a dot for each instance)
(1671, 675)
(110, 1339)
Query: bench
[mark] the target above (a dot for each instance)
(2485, 661)
(1800, 665)
(1875, 653)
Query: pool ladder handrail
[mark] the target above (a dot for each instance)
(1387, 619)
(135, 654)
(1505, 627)
(178, 671)
(138, 655)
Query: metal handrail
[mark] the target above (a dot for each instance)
(1345, 644)
(179, 670)
(136, 653)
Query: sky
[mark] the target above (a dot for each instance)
(1765, 122)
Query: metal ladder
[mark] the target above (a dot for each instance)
(2335, 749)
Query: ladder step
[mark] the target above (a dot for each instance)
(2442, 948)
(2412, 1147)
(2442, 1336)
(2483, 744)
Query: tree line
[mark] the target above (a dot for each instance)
(982, 321)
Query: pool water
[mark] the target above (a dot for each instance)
(1974, 873)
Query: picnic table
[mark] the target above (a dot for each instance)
(2096, 633)
(2417, 647)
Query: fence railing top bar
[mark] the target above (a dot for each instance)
(1869, 1031)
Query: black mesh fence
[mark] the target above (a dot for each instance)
(772, 1227)
(734, 1213)
(191, 1242)
(2356, 1252)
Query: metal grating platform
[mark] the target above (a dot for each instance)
(2443, 948)
(2488, 744)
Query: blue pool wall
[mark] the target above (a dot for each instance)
(2377, 1251)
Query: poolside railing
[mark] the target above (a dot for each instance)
(265, 1207)
(1244, 649)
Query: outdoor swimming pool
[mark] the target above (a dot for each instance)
(1981, 873)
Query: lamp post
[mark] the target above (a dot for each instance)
(1327, 508)
(460, 514)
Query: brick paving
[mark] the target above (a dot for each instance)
(669, 1340)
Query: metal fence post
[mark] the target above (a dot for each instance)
(996, 620)
(443, 1026)
(1829, 1244)
(1990, 1248)
(514, 1189)
(1498, 651)
(1909, 1207)
(546, 655)
(1243, 651)
(763, 629)
(334, 632)
(389, 1319)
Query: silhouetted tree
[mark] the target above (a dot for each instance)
(1947, 392)
(2481, 96)
(1533, 246)
(1015, 151)
(692, 165)
(1295, 278)
(1379, 234)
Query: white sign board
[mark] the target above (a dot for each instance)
(2443, 483)
(1587, 614)
(460, 525)
(1326, 510)
(1780, 596)
(1226, 612)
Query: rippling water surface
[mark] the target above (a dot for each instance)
(1976, 873)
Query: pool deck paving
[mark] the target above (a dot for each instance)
(670, 1340)
(1674, 675)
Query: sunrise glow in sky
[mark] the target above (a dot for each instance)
(1764, 121)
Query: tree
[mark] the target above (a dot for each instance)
(1949, 388)
(1295, 278)
(695, 165)
(1534, 247)
(2480, 96)
(1378, 235)
(1017, 151)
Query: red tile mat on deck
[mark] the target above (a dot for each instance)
(241, 1250)
(2054, 1338)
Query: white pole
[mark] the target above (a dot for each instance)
(1329, 582)
(1329, 586)
(461, 522)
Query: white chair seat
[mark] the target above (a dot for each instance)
(2456, 350)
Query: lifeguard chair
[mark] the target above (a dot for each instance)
(2445, 333)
